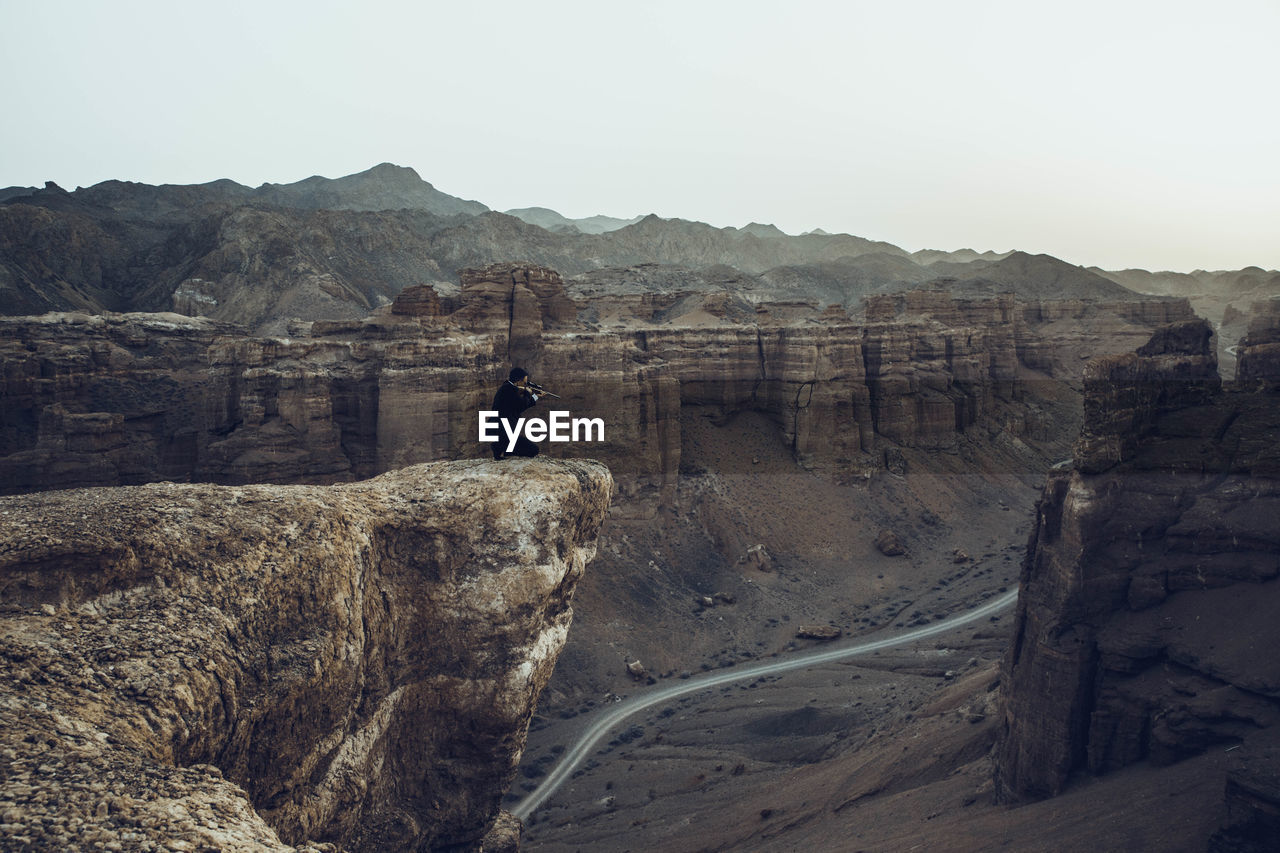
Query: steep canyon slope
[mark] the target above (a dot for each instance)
(1149, 592)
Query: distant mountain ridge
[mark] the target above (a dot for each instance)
(1250, 280)
(545, 217)
(384, 187)
(15, 192)
(339, 248)
(959, 256)
(1040, 277)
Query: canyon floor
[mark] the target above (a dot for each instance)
(882, 755)
(885, 752)
(751, 765)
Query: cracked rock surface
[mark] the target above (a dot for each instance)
(1146, 619)
(196, 667)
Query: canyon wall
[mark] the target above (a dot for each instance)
(120, 399)
(1258, 356)
(262, 667)
(1145, 627)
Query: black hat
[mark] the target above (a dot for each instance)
(517, 373)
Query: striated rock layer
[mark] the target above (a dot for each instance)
(1258, 366)
(121, 399)
(1146, 622)
(257, 667)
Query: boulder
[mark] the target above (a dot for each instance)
(888, 543)
(757, 557)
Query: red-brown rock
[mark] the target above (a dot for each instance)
(418, 300)
(1149, 588)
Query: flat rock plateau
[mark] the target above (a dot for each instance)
(263, 588)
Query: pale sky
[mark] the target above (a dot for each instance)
(1123, 133)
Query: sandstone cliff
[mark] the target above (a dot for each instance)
(1258, 364)
(196, 667)
(1146, 618)
(118, 399)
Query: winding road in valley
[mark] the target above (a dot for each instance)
(571, 758)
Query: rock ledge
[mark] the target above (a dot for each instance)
(266, 667)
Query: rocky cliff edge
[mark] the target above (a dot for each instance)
(193, 667)
(1146, 623)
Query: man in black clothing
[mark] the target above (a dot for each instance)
(512, 398)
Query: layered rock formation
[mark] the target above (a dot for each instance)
(105, 400)
(1146, 618)
(112, 399)
(1258, 355)
(258, 667)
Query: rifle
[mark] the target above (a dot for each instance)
(539, 390)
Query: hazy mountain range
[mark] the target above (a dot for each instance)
(549, 219)
(337, 248)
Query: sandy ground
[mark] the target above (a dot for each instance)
(886, 754)
(871, 759)
(963, 515)
(640, 598)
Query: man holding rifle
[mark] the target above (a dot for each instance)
(516, 395)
